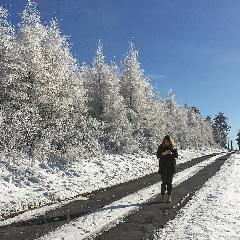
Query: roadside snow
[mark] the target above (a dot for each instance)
(214, 212)
(27, 184)
(110, 215)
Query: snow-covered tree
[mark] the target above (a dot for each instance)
(55, 84)
(7, 36)
(138, 95)
(30, 37)
(194, 133)
(20, 120)
(52, 69)
(105, 102)
(96, 85)
(221, 129)
(12, 68)
(238, 139)
(182, 129)
(51, 105)
(63, 88)
(171, 111)
(207, 132)
(156, 125)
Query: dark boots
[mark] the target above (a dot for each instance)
(167, 198)
(166, 185)
(162, 200)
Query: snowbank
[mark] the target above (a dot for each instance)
(27, 184)
(213, 213)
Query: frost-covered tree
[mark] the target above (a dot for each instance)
(207, 132)
(221, 129)
(156, 125)
(178, 122)
(55, 84)
(63, 88)
(138, 95)
(30, 37)
(194, 127)
(238, 139)
(106, 104)
(51, 105)
(171, 111)
(53, 71)
(19, 126)
(97, 84)
(182, 130)
(7, 36)
(12, 68)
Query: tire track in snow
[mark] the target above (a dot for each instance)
(109, 216)
(214, 210)
(98, 197)
(36, 226)
(155, 215)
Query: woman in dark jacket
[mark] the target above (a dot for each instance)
(167, 154)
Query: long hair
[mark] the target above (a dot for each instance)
(170, 140)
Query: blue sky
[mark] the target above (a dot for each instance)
(190, 46)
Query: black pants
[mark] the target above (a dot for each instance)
(166, 183)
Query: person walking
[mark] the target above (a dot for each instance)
(167, 154)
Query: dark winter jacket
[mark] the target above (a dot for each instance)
(167, 163)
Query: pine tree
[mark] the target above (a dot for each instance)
(106, 104)
(97, 84)
(138, 96)
(30, 37)
(156, 125)
(55, 84)
(53, 72)
(64, 89)
(20, 119)
(6, 49)
(221, 129)
(182, 128)
(63, 96)
(194, 127)
(207, 132)
(171, 112)
(12, 68)
(238, 139)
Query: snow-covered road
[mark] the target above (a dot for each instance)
(214, 212)
(25, 185)
(111, 214)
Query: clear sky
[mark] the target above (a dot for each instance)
(190, 46)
